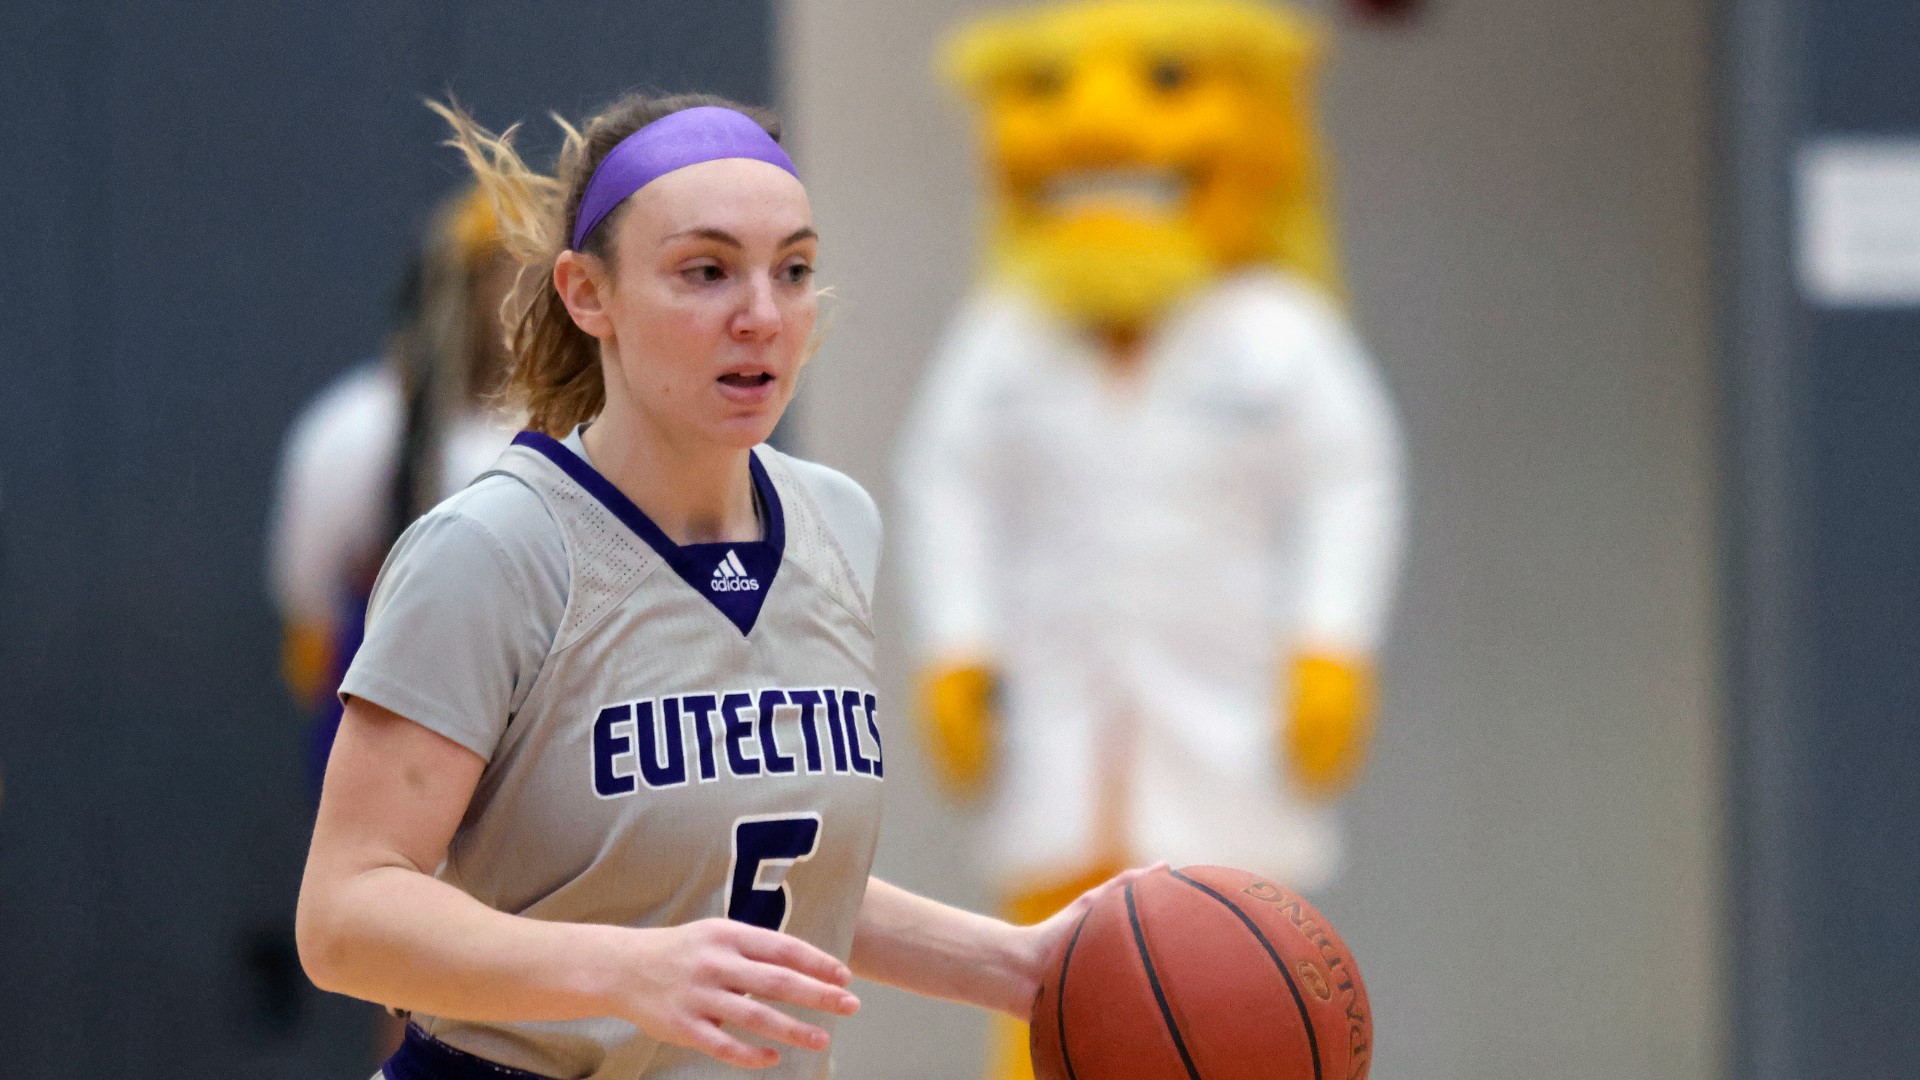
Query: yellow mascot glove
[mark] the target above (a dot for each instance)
(957, 720)
(1329, 722)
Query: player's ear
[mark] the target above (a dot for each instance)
(582, 284)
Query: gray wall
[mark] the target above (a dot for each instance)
(1824, 611)
(206, 208)
(1524, 203)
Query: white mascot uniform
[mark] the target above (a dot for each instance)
(1129, 559)
(1150, 497)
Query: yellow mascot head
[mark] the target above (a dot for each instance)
(1137, 149)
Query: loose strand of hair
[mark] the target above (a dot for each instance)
(555, 379)
(527, 201)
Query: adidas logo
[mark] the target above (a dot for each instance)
(731, 576)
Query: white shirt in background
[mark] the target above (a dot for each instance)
(334, 500)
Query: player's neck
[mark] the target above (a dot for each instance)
(696, 494)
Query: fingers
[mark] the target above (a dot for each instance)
(1139, 872)
(722, 1009)
(784, 968)
(774, 983)
(716, 974)
(787, 951)
(1117, 881)
(767, 1022)
(710, 1040)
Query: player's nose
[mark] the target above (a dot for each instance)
(759, 315)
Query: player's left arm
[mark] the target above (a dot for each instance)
(937, 950)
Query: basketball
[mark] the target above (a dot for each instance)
(1205, 972)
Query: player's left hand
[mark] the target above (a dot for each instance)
(1039, 942)
(1329, 722)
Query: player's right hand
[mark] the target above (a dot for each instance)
(687, 984)
(958, 722)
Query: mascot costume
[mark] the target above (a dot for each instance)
(1151, 492)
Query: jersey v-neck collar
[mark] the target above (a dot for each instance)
(734, 578)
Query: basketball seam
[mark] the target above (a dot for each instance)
(1159, 995)
(1060, 998)
(1300, 1001)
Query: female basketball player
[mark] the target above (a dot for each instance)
(607, 787)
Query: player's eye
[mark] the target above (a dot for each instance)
(704, 274)
(796, 273)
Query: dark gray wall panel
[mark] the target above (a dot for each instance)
(1824, 619)
(208, 207)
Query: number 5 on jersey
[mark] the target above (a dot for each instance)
(765, 847)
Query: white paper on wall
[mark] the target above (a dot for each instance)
(1859, 228)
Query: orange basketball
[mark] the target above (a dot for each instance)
(1205, 973)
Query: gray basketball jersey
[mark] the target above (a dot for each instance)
(701, 741)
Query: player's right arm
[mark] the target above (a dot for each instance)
(462, 617)
(374, 922)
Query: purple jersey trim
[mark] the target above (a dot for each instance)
(718, 572)
(423, 1057)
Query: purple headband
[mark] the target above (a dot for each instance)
(675, 141)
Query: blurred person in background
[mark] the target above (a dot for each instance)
(376, 448)
(383, 443)
(1152, 491)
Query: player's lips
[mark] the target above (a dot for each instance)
(748, 387)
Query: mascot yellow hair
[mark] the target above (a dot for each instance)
(1179, 132)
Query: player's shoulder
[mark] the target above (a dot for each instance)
(850, 513)
(840, 497)
(499, 512)
(485, 565)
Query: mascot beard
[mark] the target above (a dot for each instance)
(1109, 270)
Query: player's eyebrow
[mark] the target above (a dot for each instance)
(721, 236)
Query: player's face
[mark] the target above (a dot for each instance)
(713, 303)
